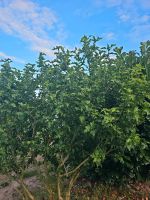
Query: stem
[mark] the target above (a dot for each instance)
(74, 170)
(71, 183)
(26, 190)
(58, 187)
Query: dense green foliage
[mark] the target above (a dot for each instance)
(92, 102)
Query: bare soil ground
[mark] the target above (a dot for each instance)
(8, 189)
(82, 190)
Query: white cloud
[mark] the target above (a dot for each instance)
(84, 12)
(132, 16)
(135, 15)
(145, 18)
(145, 3)
(13, 58)
(111, 3)
(114, 2)
(30, 22)
(109, 35)
(124, 17)
(140, 32)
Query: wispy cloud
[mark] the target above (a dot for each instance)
(123, 3)
(124, 17)
(108, 3)
(84, 13)
(109, 36)
(30, 22)
(140, 32)
(133, 13)
(13, 58)
(145, 4)
(136, 16)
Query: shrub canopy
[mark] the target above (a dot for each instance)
(91, 102)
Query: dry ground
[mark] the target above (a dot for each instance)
(136, 191)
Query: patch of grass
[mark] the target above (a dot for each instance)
(4, 181)
(30, 173)
(4, 184)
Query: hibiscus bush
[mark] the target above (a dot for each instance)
(85, 111)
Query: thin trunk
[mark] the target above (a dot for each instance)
(71, 183)
(59, 187)
(28, 194)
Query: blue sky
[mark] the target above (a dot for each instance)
(30, 26)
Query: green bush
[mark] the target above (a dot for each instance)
(88, 106)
